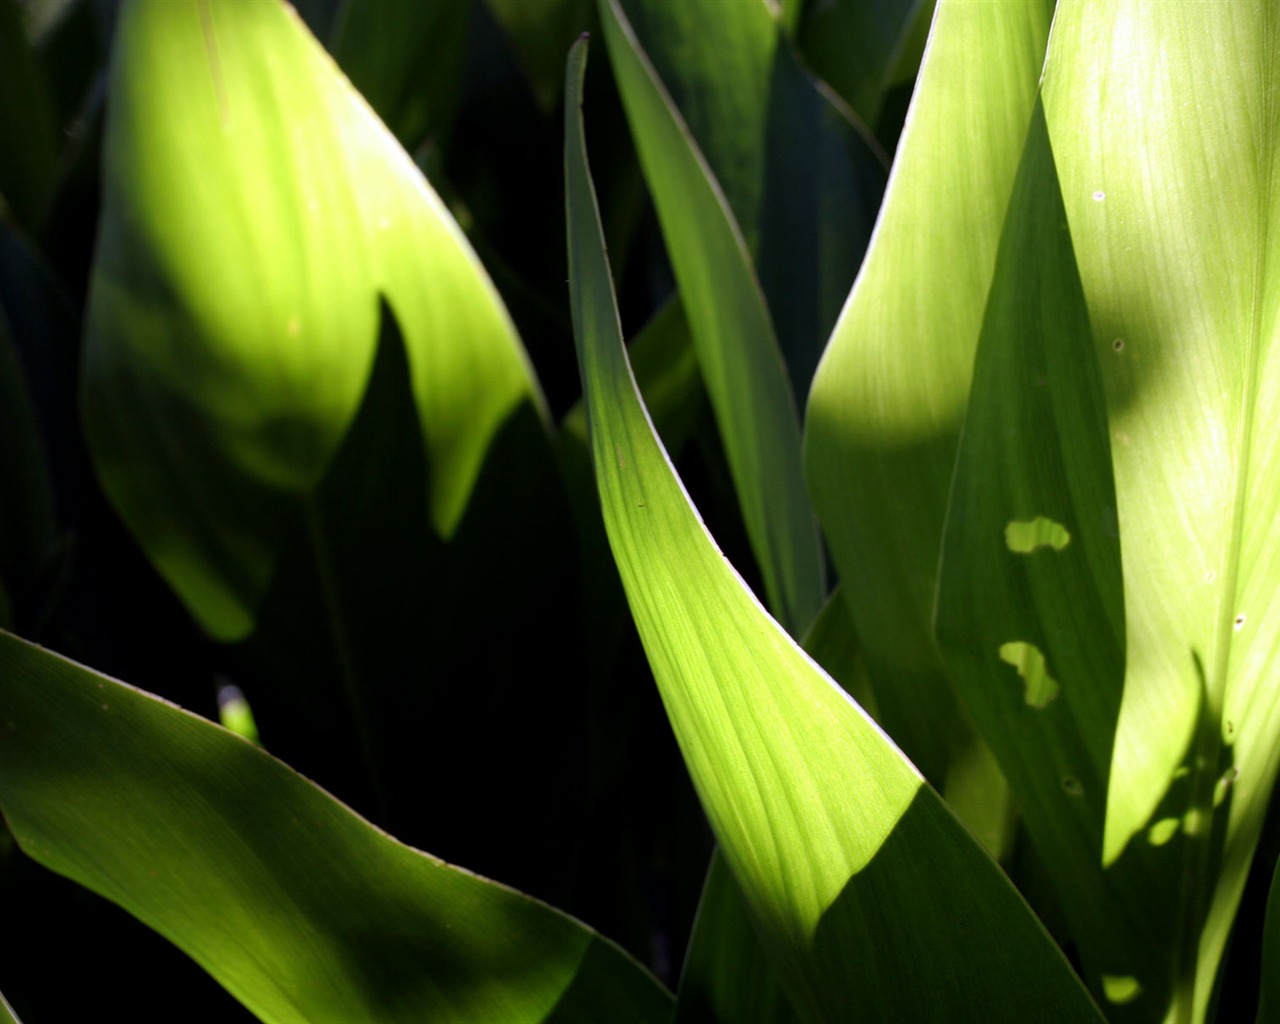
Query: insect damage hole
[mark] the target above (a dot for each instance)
(1039, 688)
(1023, 536)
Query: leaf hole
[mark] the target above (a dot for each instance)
(1163, 830)
(1072, 785)
(1040, 687)
(1023, 536)
(1120, 988)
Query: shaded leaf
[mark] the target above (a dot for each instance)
(1269, 998)
(540, 32)
(406, 59)
(727, 978)
(28, 127)
(1030, 610)
(304, 911)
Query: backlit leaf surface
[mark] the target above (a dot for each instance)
(254, 208)
(843, 854)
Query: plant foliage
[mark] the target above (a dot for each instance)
(883, 633)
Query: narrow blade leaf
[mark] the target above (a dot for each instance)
(843, 854)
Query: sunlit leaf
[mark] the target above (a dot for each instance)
(843, 854)
(1030, 611)
(884, 415)
(733, 335)
(233, 316)
(1165, 123)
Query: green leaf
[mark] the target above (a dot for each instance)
(1164, 122)
(1030, 610)
(28, 128)
(302, 910)
(727, 978)
(540, 32)
(885, 411)
(842, 853)
(733, 336)
(253, 210)
(7, 1016)
(856, 47)
(406, 59)
(800, 180)
(1269, 997)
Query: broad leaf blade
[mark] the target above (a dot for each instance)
(842, 853)
(233, 314)
(885, 411)
(737, 351)
(1165, 122)
(304, 911)
(1030, 610)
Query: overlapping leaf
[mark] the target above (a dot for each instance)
(253, 210)
(843, 854)
(1030, 611)
(304, 911)
(1164, 123)
(884, 414)
(733, 335)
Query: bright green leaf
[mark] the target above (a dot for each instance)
(732, 332)
(253, 210)
(843, 854)
(1165, 122)
(303, 910)
(885, 412)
